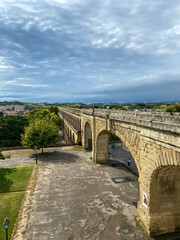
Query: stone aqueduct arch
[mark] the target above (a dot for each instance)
(155, 148)
(165, 193)
(71, 133)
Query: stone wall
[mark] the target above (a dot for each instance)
(154, 142)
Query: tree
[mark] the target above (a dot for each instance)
(46, 113)
(122, 108)
(11, 128)
(173, 108)
(40, 133)
(54, 109)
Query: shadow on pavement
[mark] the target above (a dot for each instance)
(171, 236)
(56, 157)
(119, 165)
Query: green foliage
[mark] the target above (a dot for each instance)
(173, 108)
(31, 106)
(1, 114)
(2, 156)
(40, 133)
(12, 179)
(43, 129)
(11, 128)
(11, 103)
(51, 114)
(138, 106)
(122, 108)
(54, 109)
(32, 115)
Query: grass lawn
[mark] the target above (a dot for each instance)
(9, 208)
(12, 180)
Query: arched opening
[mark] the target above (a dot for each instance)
(70, 136)
(73, 138)
(165, 200)
(119, 160)
(119, 151)
(88, 137)
(66, 134)
(111, 147)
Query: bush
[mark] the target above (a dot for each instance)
(2, 156)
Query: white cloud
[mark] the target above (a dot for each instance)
(4, 67)
(28, 66)
(5, 64)
(94, 45)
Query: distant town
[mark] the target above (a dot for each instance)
(22, 108)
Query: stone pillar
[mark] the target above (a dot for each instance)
(102, 148)
(143, 204)
(94, 148)
(159, 182)
(79, 141)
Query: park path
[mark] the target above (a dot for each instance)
(77, 199)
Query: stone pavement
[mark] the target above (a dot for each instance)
(76, 199)
(17, 161)
(122, 155)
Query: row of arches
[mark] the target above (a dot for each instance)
(69, 135)
(162, 202)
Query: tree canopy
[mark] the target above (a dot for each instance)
(43, 129)
(40, 133)
(11, 128)
(51, 114)
(173, 108)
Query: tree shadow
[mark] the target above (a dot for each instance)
(5, 183)
(170, 236)
(56, 157)
(135, 204)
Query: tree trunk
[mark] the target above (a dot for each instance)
(42, 150)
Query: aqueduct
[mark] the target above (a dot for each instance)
(154, 142)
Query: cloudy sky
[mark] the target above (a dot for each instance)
(90, 50)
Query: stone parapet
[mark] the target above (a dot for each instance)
(169, 122)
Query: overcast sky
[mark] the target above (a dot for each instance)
(90, 50)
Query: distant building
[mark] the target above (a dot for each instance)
(12, 107)
(18, 107)
(2, 107)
